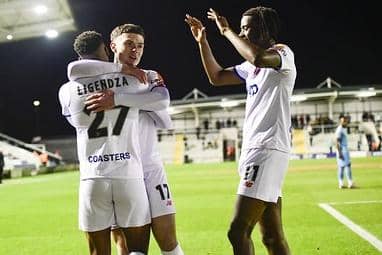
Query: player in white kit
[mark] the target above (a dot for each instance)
(127, 43)
(269, 73)
(111, 176)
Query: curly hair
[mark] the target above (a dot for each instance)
(126, 28)
(267, 21)
(87, 42)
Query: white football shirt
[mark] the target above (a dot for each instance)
(267, 122)
(108, 142)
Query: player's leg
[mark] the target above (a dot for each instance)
(162, 211)
(99, 242)
(347, 169)
(262, 173)
(138, 238)
(132, 213)
(340, 173)
(164, 231)
(119, 240)
(1, 174)
(96, 214)
(272, 230)
(247, 213)
(349, 175)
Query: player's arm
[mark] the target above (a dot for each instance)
(338, 144)
(152, 100)
(217, 75)
(64, 99)
(155, 99)
(162, 119)
(339, 149)
(89, 67)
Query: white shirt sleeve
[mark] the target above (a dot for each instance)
(162, 119)
(287, 58)
(338, 132)
(64, 98)
(89, 67)
(156, 84)
(155, 100)
(242, 70)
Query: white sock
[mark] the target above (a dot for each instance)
(177, 251)
(136, 253)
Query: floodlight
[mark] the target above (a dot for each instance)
(9, 37)
(51, 33)
(40, 9)
(36, 103)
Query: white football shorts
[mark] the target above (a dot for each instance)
(262, 172)
(158, 191)
(103, 202)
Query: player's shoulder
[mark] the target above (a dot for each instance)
(283, 49)
(69, 84)
(68, 87)
(64, 87)
(339, 129)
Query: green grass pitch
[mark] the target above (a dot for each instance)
(38, 215)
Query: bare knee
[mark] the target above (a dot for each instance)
(273, 239)
(239, 231)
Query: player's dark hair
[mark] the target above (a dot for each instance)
(87, 42)
(266, 20)
(126, 28)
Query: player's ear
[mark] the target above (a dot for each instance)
(113, 47)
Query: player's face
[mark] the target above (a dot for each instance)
(344, 121)
(249, 32)
(128, 48)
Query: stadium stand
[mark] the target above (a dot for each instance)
(20, 155)
(201, 124)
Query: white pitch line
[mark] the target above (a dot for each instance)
(355, 202)
(352, 226)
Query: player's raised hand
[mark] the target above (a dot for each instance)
(220, 21)
(136, 72)
(197, 28)
(100, 101)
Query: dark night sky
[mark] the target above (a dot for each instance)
(340, 39)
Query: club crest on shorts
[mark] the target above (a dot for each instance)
(248, 184)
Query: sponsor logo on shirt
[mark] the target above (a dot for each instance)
(252, 90)
(109, 157)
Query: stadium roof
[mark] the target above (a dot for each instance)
(22, 19)
(299, 95)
